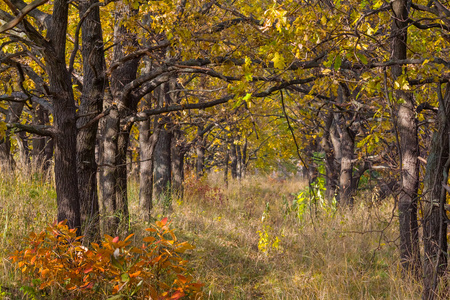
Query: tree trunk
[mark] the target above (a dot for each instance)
(434, 197)
(40, 117)
(177, 163)
(233, 163)
(116, 135)
(147, 142)
(226, 162)
(24, 149)
(108, 177)
(91, 104)
(407, 206)
(200, 151)
(66, 179)
(13, 116)
(244, 159)
(162, 161)
(346, 176)
(238, 161)
(331, 174)
(346, 153)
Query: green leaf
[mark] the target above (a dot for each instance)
(337, 62)
(362, 58)
(124, 277)
(237, 103)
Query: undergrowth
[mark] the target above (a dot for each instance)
(259, 238)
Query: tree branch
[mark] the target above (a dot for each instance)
(37, 129)
(22, 13)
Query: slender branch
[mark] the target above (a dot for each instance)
(142, 116)
(21, 14)
(292, 131)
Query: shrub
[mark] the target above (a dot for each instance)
(200, 189)
(55, 261)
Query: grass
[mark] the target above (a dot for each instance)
(345, 255)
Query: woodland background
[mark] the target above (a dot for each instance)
(286, 118)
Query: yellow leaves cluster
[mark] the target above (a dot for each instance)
(56, 258)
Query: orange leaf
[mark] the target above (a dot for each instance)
(164, 221)
(197, 285)
(182, 279)
(88, 270)
(177, 295)
(149, 239)
(87, 285)
(128, 237)
(135, 274)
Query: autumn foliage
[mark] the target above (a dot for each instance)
(55, 259)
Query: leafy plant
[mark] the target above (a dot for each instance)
(267, 240)
(55, 259)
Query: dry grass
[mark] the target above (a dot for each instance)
(344, 256)
(350, 255)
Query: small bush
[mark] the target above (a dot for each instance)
(201, 189)
(55, 261)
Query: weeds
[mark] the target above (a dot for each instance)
(328, 254)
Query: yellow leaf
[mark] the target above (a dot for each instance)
(278, 61)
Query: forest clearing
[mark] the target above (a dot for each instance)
(333, 255)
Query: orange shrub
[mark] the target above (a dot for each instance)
(56, 260)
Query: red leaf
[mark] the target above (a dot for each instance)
(115, 240)
(164, 221)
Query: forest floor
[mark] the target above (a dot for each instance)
(251, 241)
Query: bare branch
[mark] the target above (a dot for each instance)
(22, 13)
(36, 129)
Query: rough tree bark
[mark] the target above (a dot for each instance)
(336, 143)
(177, 154)
(162, 161)
(233, 162)
(110, 128)
(91, 104)
(116, 135)
(66, 179)
(346, 152)
(238, 161)
(200, 151)
(42, 145)
(6, 159)
(147, 142)
(434, 197)
(226, 163)
(331, 174)
(407, 206)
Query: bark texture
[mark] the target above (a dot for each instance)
(434, 197)
(147, 142)
(407, 126)
(162, 161)
(12, 116)
(66, 179)
(91, 104)
(116, 135)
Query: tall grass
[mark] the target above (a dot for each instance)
(350, 254)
